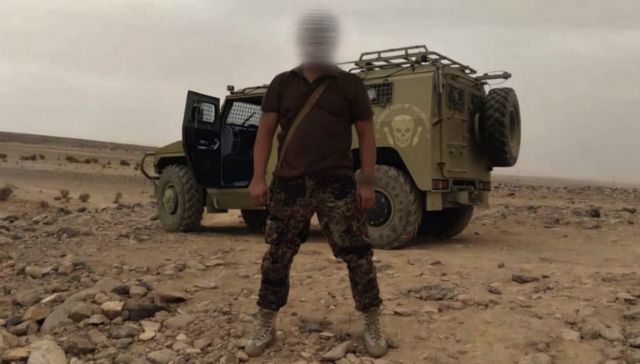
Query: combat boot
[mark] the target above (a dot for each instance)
(265, 333)
(374, 342)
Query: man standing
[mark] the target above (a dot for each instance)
(316, 105)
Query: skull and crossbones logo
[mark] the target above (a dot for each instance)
(403, 131)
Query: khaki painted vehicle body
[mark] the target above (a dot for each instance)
(428, 116)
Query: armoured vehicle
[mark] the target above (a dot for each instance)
(440, 130)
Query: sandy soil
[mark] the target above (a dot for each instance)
(548, 274)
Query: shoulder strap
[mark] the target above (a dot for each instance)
(311, 101)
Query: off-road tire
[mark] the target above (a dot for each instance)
(255, 219)
(445, 224)
(186, 214)
(500, 132)
(406, 209)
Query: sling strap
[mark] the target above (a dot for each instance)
(311, 101)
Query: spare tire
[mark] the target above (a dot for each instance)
(500, 131)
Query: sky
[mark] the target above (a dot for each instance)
(119, 70)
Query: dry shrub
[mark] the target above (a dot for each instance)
(84, 197)
(72, 159)
(64, 194)
(41, 156)
(6, 192)
(117, 198)
(31, 157)
(3, 156)
(43, 204)
(124, 163)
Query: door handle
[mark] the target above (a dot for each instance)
(204, 145)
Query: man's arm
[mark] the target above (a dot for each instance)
(366, 179)
(261, 152)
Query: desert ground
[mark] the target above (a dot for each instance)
(547, 274)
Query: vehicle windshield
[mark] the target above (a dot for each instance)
(243, 112)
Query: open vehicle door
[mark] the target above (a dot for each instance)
(201, 128)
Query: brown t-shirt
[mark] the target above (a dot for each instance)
(321, 145)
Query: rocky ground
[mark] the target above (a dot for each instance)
(548, 274)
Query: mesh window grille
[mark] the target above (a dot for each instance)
(208, 112)
(243, 113)
(380, 93)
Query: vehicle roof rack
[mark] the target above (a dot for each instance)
(402, 57)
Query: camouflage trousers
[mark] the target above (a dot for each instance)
(292, 203)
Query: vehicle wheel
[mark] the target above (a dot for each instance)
(395, 218)
(500, 127)
(447, 223)
(179, 198)
(255, 219)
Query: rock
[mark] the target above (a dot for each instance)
(163, 356)
(36, 313)
(83, 295)
(97, 319)
(633, 315)
(590, 329)
(112, 309)
(101, 298)
(591, 225)
(126, 330)
(338, 352)
(28, 297)
(201, 343)
(179, 321)
(612, 333)
(401, 311)
(121, 290)
(432, 292)
(136, 291)
(570, 335)
(66, 265)
(169, 295)
(46, 352)
(242, 356)
(78, 310)
(147, 335)
(139, 309)
(35, 271)
(79, 344)
(150, 325)
(15, 355)
(206, 283)
(98, 338)
(523, 278)
(57, 318)
(56, 297)
(106, 285)
(634, 343)
(494, 288)
(214, 263)
(24, 328)
(537, 358)
(195, 265)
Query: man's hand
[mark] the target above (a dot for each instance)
(366, 196)
(259, 191)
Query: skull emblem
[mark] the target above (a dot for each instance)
(402, 129)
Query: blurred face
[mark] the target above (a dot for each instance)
(317, 38)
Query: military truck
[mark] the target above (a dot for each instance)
(440, 130)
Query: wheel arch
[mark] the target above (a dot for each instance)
(387, 156)
(163, 162)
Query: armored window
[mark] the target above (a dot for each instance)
(456, 98)
(208, 112)
(244, 114)
(380, 93)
